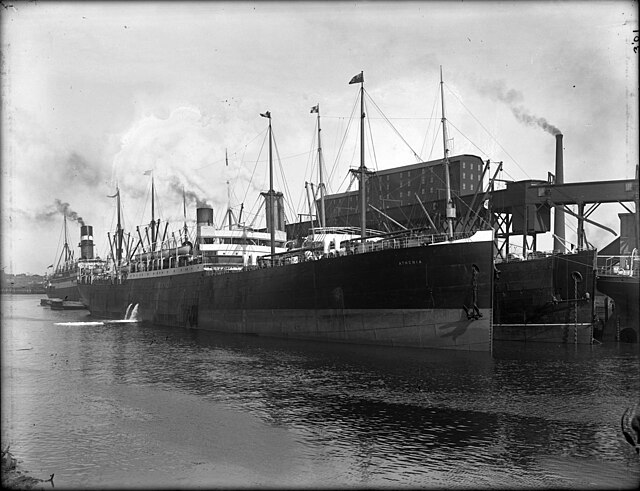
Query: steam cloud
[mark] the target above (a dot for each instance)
(183, 150)
(59, 207)
(513, 99)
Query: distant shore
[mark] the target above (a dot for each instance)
(13, 478)
(22, 291)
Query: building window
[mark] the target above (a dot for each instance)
(400, 175)
(423, 169)
(464, 165)
(422, 180)
(464, 175)
(464, 186)
(471, 187)
(430, 190)
(387, 177)
(472, 176)
(424, 191)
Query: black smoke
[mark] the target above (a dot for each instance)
(513, 98)
(59, 207)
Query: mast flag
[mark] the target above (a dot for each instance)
(148, 172)
(315, 108)
(357, 79)
(266, 115)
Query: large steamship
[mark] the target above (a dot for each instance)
(62, 283)
(345, 284)
(539, 296)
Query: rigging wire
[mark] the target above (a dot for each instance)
(489, 133)
(344, 138)
(255, 166)
(284, 180)
(55, 258)
(430, 120)
(372, 148)
(339, 131)
(310, 162)
(392, 126)
(560, 191)
(233, 152)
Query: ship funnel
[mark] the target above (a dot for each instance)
(558, 220)
(204, 216)
(86, 242)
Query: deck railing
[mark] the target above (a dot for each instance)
(350, 247)
(620, 265)
(358, 246)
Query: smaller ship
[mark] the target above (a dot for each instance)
(545, 297)
(62, 285)
(619, 279)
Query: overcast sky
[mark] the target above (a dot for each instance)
(97, 93)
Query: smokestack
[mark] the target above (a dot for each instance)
(86, 242)
(558, 220)
(204, 216)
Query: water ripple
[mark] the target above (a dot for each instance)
(104, 405)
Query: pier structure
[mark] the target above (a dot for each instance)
(524, 208)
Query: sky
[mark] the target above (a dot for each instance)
(95, 94)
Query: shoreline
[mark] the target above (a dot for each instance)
(14, 478)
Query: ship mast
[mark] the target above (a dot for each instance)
(184, 211)
(450, 209)
(226, 163)
(67, 251)
(153, 215)
(316, 109)
(362, 171)
(118, 230)
(271, 193)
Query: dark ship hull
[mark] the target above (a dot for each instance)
(420, 296)
(546, 299)
(625, 292)
(64, 286)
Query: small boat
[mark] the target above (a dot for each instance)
(59, 304)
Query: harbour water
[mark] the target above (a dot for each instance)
(129, 405)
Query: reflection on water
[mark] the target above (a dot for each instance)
(106, 405)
